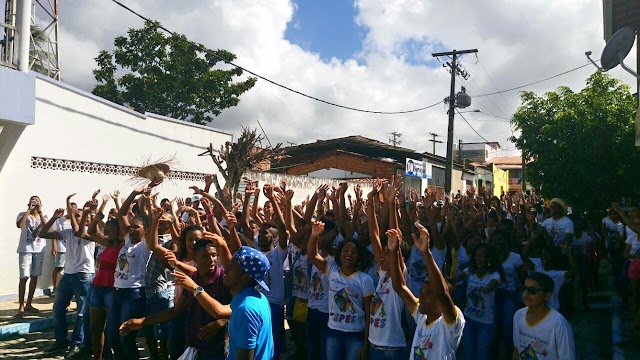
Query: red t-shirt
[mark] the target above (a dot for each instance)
(106, 272)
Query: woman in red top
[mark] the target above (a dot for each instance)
(102, 290)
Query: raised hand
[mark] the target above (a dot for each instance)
(422, 242)
(180, 202)
(322, 190)
(115, 195)
(196, 189)
(394, 238)
(289, 194)
(342, 187)
(156, 213)
(95, 194)
(208, 180)
(267, 189)
(58, 213)
(70, 196)
(206, 205)
(283, 185)
(231, 220)
(106, 197)
(318, 228)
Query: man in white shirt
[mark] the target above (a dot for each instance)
(78, 274)
(539, 332)
(30, 252)
(558, 225)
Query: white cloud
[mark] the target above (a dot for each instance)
(518, 42)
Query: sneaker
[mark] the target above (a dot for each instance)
(81, 353)
(52, 294)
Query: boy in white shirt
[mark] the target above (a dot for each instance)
(439, 322)
(539, 332)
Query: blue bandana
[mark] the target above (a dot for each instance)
(254, 263)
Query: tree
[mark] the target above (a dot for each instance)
(168, 75)
(582, 144)
(239, 157)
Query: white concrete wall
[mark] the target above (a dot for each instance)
(78, 127)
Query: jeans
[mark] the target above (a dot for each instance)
(157, 302)
(72, 284)
(507, 303)
(398, 353)
(317, 334)
(130, 303)
(177, 335)
(477, 340)
(343, 345)
(277, 329)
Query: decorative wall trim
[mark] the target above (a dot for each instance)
(106, 169)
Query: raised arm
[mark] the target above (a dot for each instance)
(627, 220)
(234, 238)
(438, 240)
(80, 229)
(372, 220)
(224, 253)
(320, 193)
(94, 233)
(288, 212)
(438, 284)
(244, 221)
(394, 237)
(46, 232)
(312, 247)
(123, 213)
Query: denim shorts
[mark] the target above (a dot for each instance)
(101, 296)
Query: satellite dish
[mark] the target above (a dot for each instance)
(617, 48)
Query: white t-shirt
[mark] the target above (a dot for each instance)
(438, 340)
(510, 269)
(79, 256)
(580, 244)
(61, 224)
(558, 281)
(632, 239)
(301, 278)
(131, 267)
(319, 289)
(463, 259)
(613, 227)
(386, 314)
(418, 270)
(479, 305)
(557, 229)
(549, 339)
(29, 241)
(346, 298)
(275, 276)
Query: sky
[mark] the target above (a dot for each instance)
(367, 54)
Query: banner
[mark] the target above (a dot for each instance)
(418, 168)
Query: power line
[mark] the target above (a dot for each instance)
(212, 53)
(472, 128)
(533, 83)
(490, 99)
(491, 80)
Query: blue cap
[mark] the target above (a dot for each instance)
(254, 263)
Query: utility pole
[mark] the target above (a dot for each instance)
(395, 138)
(459, 150)
(434, 141)
(455, 70)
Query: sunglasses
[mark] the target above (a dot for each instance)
(532, 290)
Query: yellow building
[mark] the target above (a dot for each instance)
(500, 180)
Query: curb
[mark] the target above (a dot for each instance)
(23, 328)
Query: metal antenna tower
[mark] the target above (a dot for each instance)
(44, 43)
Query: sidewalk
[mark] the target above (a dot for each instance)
(10, 326)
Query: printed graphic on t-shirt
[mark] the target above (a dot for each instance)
(343, 302)
(123, 267)
(317, 290)
(301, 280)
(529, 353)
(475, 303)
(378, 313)
(426, 344)
(418, 271)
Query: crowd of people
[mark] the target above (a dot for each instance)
(392, 274)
